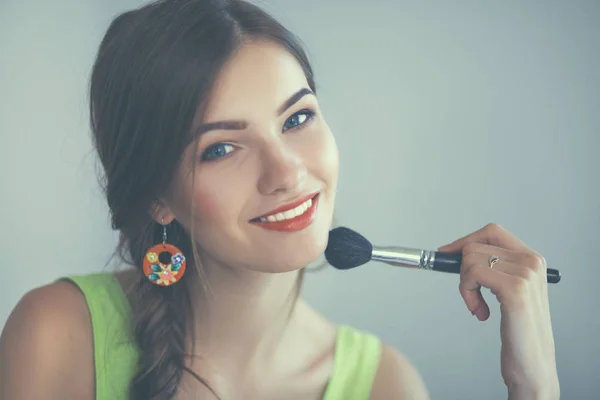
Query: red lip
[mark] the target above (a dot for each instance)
(295, 224)
(288, 206)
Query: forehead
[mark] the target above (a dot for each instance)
(259, 77)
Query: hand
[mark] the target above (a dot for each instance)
(518, 281)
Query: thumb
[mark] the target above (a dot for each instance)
(475, 301)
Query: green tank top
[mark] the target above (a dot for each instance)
(356, 359)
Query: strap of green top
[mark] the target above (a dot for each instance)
(357, 356)
(356, 360)
(115, 355)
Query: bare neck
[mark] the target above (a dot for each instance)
(241, 316)
(251, 325)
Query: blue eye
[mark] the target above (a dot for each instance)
(298, 119)
(216, 151)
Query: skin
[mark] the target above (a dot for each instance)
(518, 281)
(254, 343)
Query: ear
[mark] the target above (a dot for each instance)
(161, 213)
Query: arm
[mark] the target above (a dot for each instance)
(397, 379)
(46, 349)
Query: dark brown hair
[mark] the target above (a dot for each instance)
(154, 70)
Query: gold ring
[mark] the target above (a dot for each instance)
(493, 260)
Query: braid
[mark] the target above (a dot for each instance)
(159, 331)
(162, 322)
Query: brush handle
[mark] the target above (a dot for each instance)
(431, 260)
(450, 262)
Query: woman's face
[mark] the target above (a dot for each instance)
(265, 167)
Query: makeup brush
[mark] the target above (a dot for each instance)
(348, 249)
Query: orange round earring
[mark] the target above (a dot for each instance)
(164, 264)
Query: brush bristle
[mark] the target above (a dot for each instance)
(347, 249)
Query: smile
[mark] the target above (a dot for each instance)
(291, 217)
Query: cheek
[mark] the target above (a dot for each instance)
(220, 195)
(208, 206)
(204, 201)
(215, 203)
(324, 156)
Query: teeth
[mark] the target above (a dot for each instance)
(289, 214)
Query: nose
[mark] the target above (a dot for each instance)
(283, 170)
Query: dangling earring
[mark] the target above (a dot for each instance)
(164, 264)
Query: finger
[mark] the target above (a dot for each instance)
(529, 265)
(505, 263)
(491, 234)
(482, 248)
(474, 300)
(501, 280)
(478, 277)
(471, 289)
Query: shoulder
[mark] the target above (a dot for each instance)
(397, 378)
(46, 347)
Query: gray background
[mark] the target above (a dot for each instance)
(447, 115)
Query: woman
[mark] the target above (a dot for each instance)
(206, 121)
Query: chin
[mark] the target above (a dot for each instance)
(297, 260)
(292, 252)
(291, 258)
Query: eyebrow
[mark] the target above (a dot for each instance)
(239, 125)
